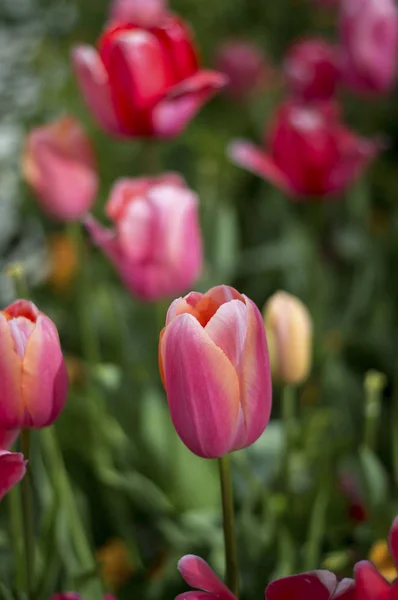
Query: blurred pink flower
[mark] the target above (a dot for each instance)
(197, 573)
(144, 81)
(312, 70)
(314, 585)
(156, 242)
(369, 44)
(59, 165)
(310, 152)
(214, 364)
(12, 470)
(245, 66)
(146, 13)
(7, 438)
(34, 382)
(370, 584)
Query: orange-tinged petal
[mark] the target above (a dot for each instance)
(228, 329)
(11, 404)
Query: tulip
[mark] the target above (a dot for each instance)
(33, 376)
(311, 153)
(289, 333)
(197, 573)
(144, 81)
(369, 42)
(214, 365)
(245, 67)
(156, 242)
(312, 70)
(59, 165)
(146, 13)
(370, 583)
(315, 585)
(7, 438)
(12, 470)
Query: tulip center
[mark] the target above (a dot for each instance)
(205, 309)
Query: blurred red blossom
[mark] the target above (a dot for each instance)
(309, 152)
(312, 69)
(369, 44)
(245, 66)
(144, 81)
(315, 585)
(146, 13)
(12, 470)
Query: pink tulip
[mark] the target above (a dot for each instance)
(7, 438)
(244, 65)
(144, 81)
(59, 165)
(12, 470)
(369, 40)
(146, 13)
(33, 377)
(315, 585)
(213, 360)
(197, 573)
(311, 153)
(156, 242)
(312, 70)
(370, 584)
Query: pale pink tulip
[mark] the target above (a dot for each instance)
(146, 13)
(33, 376)
(12, 470)
(369, 44)
(197, 573)
(213, 360)
(59, 165)
(156, 242)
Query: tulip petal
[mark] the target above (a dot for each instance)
(183, 305)
(178, 46)
(44, 376)
(197, 573)
(369, 583)
(202, 388)
(12, 470)
(7, 438)
(254, 159)
(195, 595)
(171, 115)
(103, 238)
(255, 380)
(10, 377)
(94, 83)
(345, 590)
(315, 585)
(393, 540)
(228, 330)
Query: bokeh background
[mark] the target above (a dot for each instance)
(133, 478)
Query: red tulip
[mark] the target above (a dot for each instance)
(245, 66)
(369, 40)
(312, 70)
(146, 13)
(144, 81)
(315, 585)
(310, 152)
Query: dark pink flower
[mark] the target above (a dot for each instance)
(370, 584)
(144, 81)
(312, 70)
(12, 470)
(369, 44)
(315, 585)
(197, 573)
(245, 66)
(309, 152)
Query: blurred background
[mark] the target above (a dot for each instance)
(145, 498)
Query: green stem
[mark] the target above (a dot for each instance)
(289, 421)
(318, 522)
(374, 384)
(231, 555)
(16, 534)
(27, 517)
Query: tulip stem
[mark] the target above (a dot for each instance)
(231, 556)
(289, 417)
(27, 516)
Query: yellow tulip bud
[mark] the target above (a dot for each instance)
(289, 333)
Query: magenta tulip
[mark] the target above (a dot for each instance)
(156, 242)
(144, 81)
(147, 13)
(315, 585)
(33, 376)
(60, 167)
(311, 153)
(245, 67)
(369, 41)
(312, 70)
(214, 364)
(12, 470)
(197, 573)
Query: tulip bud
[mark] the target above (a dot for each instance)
(213, 361)
(156, 243)
(289, 332)
(59, 165)
(12, 470)
(369, 43)
(33, 376)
